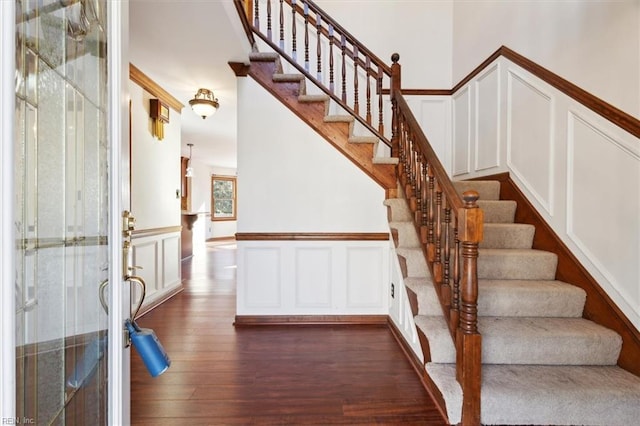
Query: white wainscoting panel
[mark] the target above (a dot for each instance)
(487, 118)
(262, 276)
(365, 286)
(313, 277)
(158, 255)
(603, 209)
(530, 137)
(462, 132)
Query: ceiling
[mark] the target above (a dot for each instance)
(184, 45)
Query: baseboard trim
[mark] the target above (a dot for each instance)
(151, 306)
(312, 236)
(241, 320)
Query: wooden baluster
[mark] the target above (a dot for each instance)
(343, 46)
(356, 102)
(455, 299)
(319, 39)
(431, 214)
(380, 103)
(468, 340)
(446, 279)
(306, 36)
(294, 49)
(437, 263)
(422, 222)
(281, 25)
(256, 14)
(419, 184)
(368, 66)
(331, 83)
(268, 19)
(396, 77)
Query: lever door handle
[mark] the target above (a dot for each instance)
(138, 280)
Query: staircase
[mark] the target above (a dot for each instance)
(314, 109)
(542, 362)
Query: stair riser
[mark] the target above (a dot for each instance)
(498, 211)
(488, 190)
(521, 267)
(507, 236)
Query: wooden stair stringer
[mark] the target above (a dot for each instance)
(337, 133)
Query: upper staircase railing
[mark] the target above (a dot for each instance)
(450, 226)
(327, 54)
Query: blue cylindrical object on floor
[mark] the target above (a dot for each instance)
(148, 346)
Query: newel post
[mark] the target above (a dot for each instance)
(396, 77)
(468, 340)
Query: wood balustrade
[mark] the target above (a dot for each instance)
(450, 229)
(361, 74)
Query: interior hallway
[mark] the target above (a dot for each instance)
(286, 375)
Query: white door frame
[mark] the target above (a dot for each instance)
(118, 71)
(7, 200)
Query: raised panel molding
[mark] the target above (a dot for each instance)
(487, 119)
(364, 277)
(145, 255)
(263, 277)
(434, 116)
(530, 137)
(170, 265)
(461, 155)
(313, 281)
(596, 199)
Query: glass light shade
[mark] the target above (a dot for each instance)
(204, 103)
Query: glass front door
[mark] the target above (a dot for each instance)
(61, 212)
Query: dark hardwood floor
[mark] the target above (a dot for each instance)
(267, 375)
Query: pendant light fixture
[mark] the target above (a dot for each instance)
(204, 103)
(189, 172)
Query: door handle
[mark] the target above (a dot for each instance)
(138, 280)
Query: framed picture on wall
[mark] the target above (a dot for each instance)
(223, 198)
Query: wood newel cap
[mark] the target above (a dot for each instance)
(471, 218)
(395, 58)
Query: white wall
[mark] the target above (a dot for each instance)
(594, 44)
(155, 198)
(420, 31)
(155, 166)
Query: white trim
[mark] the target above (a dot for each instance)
(118, 71)
(7, 235)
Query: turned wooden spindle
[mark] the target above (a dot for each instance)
(356, 102)
(431, 217)
(446, 269)
(343, 46)
(380, 102)
(319, 47)
(367, 71)
(396, 75)
(437, 262)
(294, 48)
(256, 14)
(331, 82)
(268, 19)
(281, 25)
(306, 36)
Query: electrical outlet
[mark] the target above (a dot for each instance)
(393, 288)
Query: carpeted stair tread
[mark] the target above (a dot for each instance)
(416, 264)
(386, 160)
(407, 236)
(313, 98)
(544, 395)
(362, 139)
(283, 78)
(514, 340)
(517, 264)
(495, 211)
(263, 56)
(548, 341)
(399, 209)
(426, 294)
(487, 189)
(529, 298)
(508, 235)
(340, 118)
